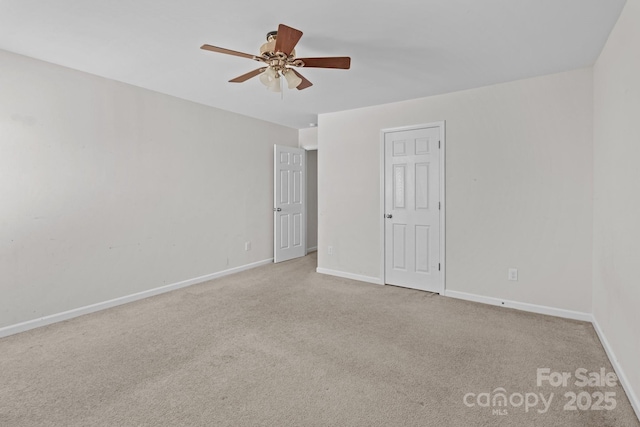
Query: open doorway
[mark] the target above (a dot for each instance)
(312, 200)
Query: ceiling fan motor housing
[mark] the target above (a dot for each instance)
(271, 35)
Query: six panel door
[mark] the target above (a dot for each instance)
(289, 204)
(412, 209)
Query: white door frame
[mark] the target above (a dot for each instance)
(383, 133)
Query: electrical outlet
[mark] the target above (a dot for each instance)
(247, 246)
(512, 274)
(330, 250)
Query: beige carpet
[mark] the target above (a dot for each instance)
(284, 346)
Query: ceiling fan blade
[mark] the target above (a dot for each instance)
(305, 83)
(287, 39)
(227, 51)
(247, 76)
(342, 62)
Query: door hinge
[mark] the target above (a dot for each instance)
(439, 144)
(438, 266)
(439, 205)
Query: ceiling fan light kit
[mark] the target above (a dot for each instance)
(271, 79)
(279, 56)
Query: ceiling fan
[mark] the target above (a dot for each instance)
(279, 57)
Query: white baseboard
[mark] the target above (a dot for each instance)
(624, 381)
(313, 249)
(533, 308)
(575, 315)
(70, 314)
(351, 276)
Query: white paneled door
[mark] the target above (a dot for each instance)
(412, 209)
(289, 203)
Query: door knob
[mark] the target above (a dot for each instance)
(277, 209)
(388, 216)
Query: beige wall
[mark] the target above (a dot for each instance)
(107, 189)
(519, 188)
(308, 138)
(616, 268)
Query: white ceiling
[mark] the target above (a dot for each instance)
(400, 49)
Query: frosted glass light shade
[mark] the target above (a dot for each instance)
(292, 79)
(268, 76)
(274, 85)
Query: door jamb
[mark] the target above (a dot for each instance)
(383, 132)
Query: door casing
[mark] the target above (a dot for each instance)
(383, 132)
